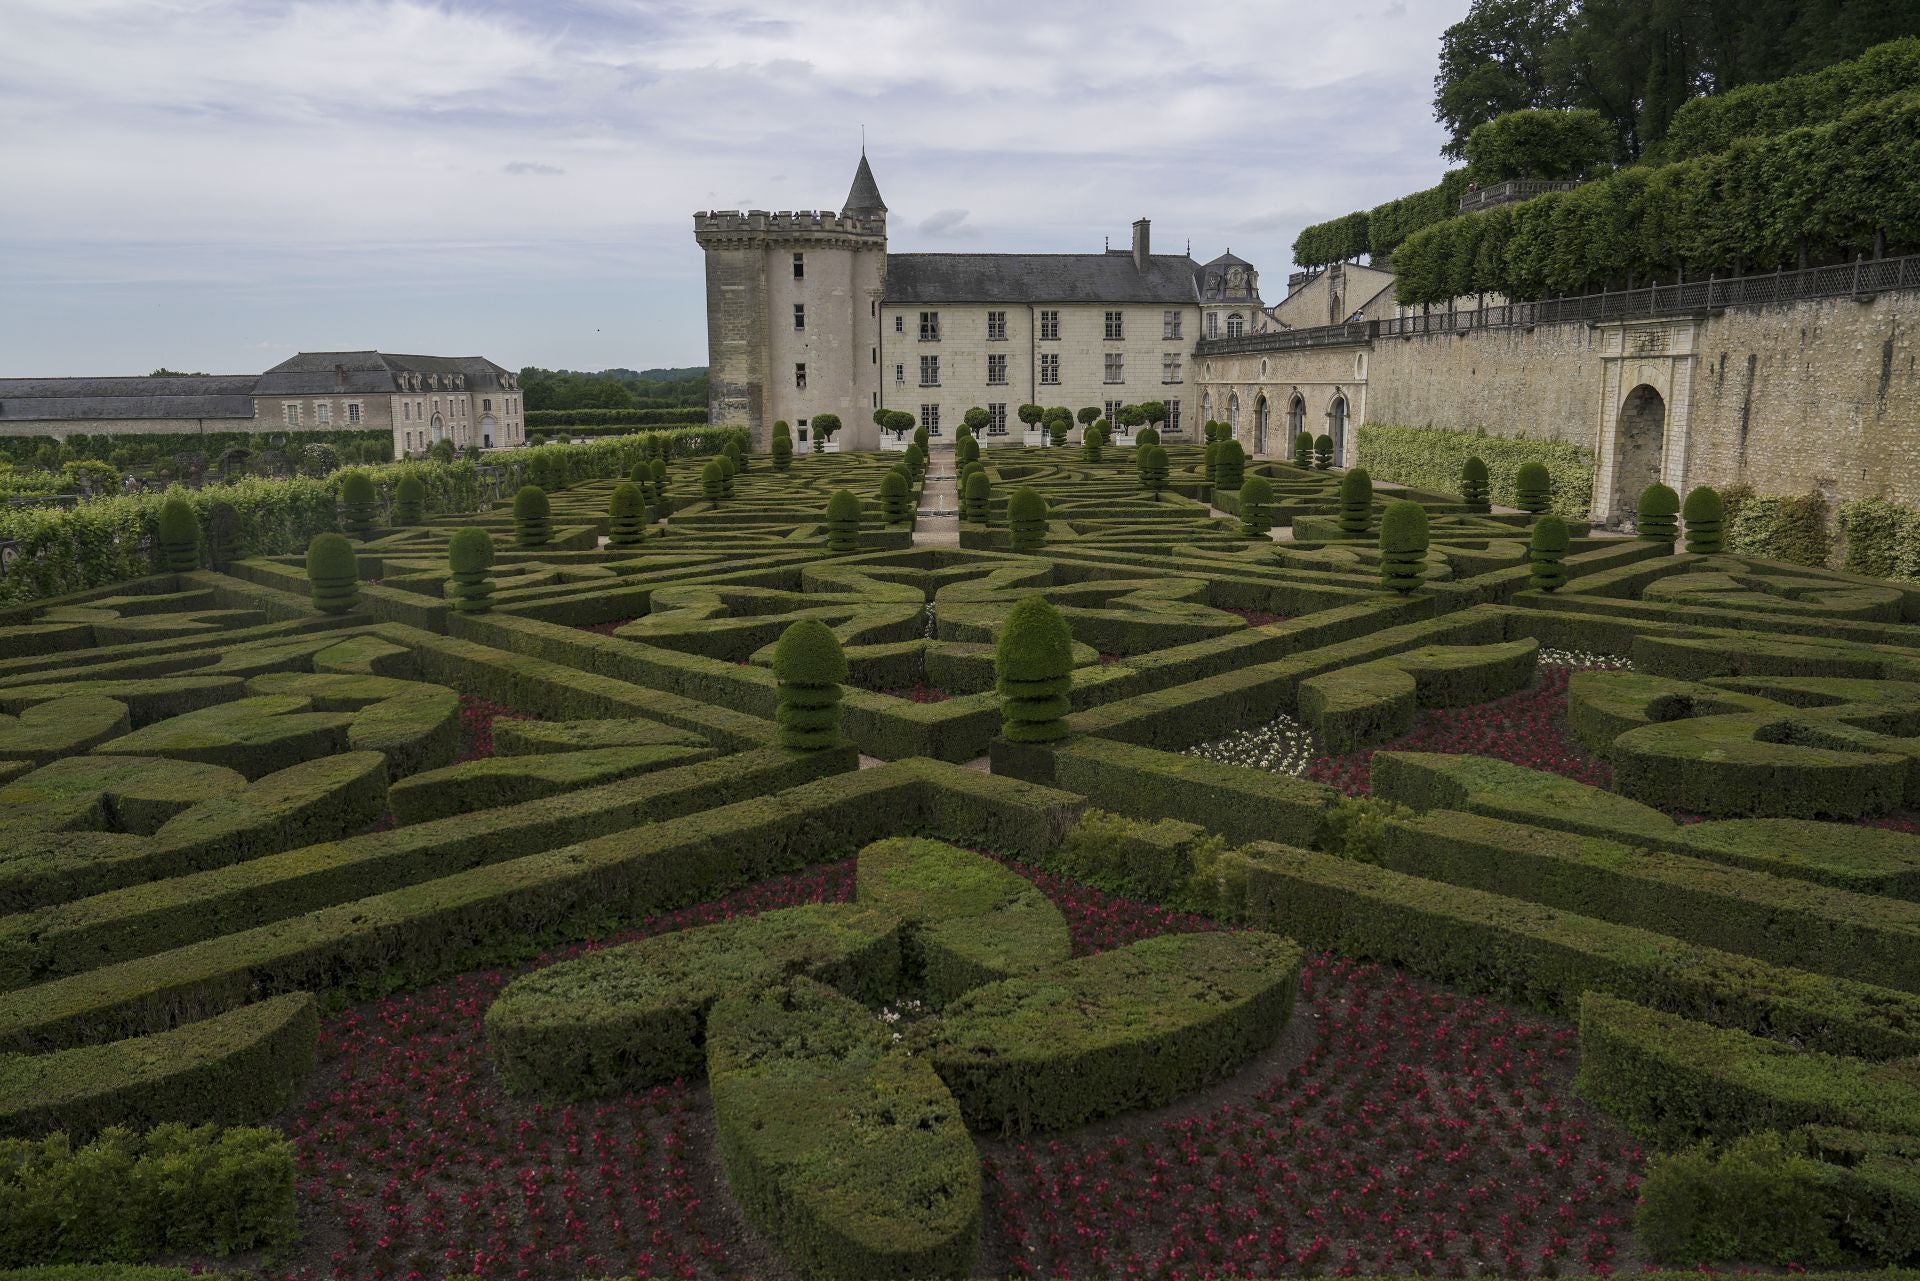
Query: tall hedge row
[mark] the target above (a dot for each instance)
(1379, 231)
(1715, 123)
(1430, 458)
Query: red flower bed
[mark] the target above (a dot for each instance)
(477, 716)
(1259, 617)
(1398, 1128)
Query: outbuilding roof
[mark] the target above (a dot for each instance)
(1039, 278)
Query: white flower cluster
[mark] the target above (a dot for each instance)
(907, 1011)
(928, 632)
(1281, 746)
(1581, 658)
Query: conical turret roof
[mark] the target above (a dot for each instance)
(864, 198)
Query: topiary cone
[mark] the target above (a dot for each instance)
(626, 516)
(1548, 554)
(1027, 520)
(1356, 501)
(1475, 491)
(1706, 516)
(333, 573)
(357, 504)
(532, 522)
(177, 536)
(1229, 466)
(808, 668)
(1403, 546)
(843, 522)
(1256, 507)
(1657, 516)
(976, 495)
(1033, 670)
(469, 557)
(727, 472)
(409, 501)
(1533, 488)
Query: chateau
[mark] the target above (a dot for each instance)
(807, 313)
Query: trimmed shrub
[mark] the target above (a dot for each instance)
(1706, 519)
(1433, 460)
(1091, 442)
(1322, 452)
(626, 516)
(825, 427)
(1209, 454)
(1153, 469)
(1303, 448)
(177, 535)
(843, 522)
(333, 573)
(1760, 1199)
(893, 498)
(357, 504)
(1356, 501)
(713, 481)
(728, 470)
(808, 669)
(1475, 492)
(736, 451)
(1403, 546)
(469, 557)
(916, 459)
(1057, 429)
(782, 446)
(1655, 517)
(1532, 488)
(409, 501)
(966, 449)
(1229, 466)
(1146, 436)
(1778, 528)
(1033, 670)
(1882, 538)
(1547, 555)
(1256, 507)
(657, 468)
(1027, 520)
(532, 517)
(975, 494)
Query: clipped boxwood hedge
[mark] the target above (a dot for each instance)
(1433, 459)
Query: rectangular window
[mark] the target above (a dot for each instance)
(1050, 370)
(1113, 413)
(406, 411)
(899, 324)
(293, 414)
(929, 326)
(1213, 324)
(799, 266)
(997, 370)
(929, 371)
(1170, 367)
(1170, 324)
(1115, 372)
(353, 413)
(1173, 415)
(799, 315)
(323, 413)
(1049, 325)
(900, 375)
(930, 419)
(800, 377)
(997, 418)
(996, 326)
(873, 355)
(1113, 324)
(486, 405)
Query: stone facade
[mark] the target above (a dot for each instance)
(1342, 292)
(1269, 397)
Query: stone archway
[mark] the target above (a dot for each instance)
(1639, 450)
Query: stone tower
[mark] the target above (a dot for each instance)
(792, 298)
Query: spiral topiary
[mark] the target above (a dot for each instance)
(1322, 452)
(843, 522)
(808, 668)
(1403, 546)
(1475, 490)
(712, 482)
(727, 472)
(975, 494)
(1229, 466)
(1256, 507)
(626, 516)
(357, 504)
(1152, 463)
(657, 468)
(893, 498)
(409, 501)
(178, 536)
(1356, 501)
(782, 446)
(1027, 520)
(1548, 554)
(1303, 449)
(1656, 517)
(532, 517)
(916, 459)
(1706, 516)
(1092, 441)
(1534, 488)
(333, 573)
(1033, 670)
(1057, 428)
(469, 557)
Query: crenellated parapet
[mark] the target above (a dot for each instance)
(722, 228)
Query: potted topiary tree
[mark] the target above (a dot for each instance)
(626, 516)
(1033, 670)
(532, 522)
(177, 535)
(1027, 520)
(976, 421)
(843, 522)
(1322, 452)
(1256, 507)
(1706, 516)
(1031, 416)
(357, 504)
(1475, 491)
(808, 668)
(1548, 554)
(1356, 501)
(1088, 416)
(976, 493)
(1130, 419)
(1403, 546)
(1533, 487)
(1154, 412)
(469, 557)
(1656, 517)
(824, 427)
(333, 573)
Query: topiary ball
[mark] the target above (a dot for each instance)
(1706, 516)
(975, 496)
(357, 504)
(1533, 488)
(808, 668)
(1033, 670)
(1256, 507)
(1475, 490)
(843, 522)
(1548, 554)
(626, 516)
(333, 573)
(1356, 501)
(1403, 546)
(1027, 520)
(177, 536)
(409, 501)
(1656, 518)
(532, 517)
(469, 557)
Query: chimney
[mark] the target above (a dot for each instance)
(1140, 239)
(339, 375)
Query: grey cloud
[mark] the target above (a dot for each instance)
(943, 222)
(530, 167)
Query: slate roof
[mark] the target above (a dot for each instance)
(864, 196)
(313, 373)
(1039, 278)
(1229, 259)
(70, 399)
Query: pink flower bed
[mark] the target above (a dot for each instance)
(477, 716)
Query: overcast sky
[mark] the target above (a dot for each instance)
(214, 184)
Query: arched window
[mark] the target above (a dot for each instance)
(1235, 325)
(1337, 427)
(1206, 408)
(1296, 415)
(1260, 425)
(1233, 411)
